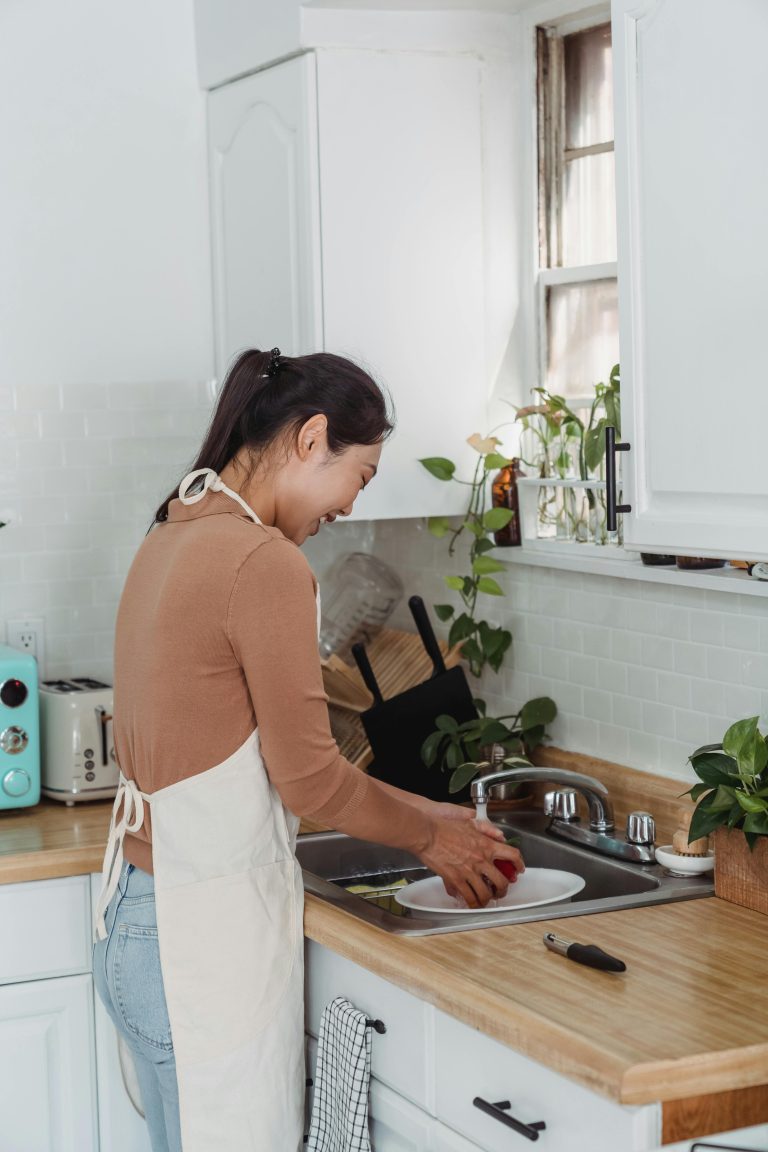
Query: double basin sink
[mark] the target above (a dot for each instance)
(332, 863)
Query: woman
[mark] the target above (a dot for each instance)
(222, 735)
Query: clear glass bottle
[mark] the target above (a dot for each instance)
(360, 594)
(505, 495)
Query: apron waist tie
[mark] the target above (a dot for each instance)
(132, 802)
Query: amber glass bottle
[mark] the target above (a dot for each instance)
(696, 563)
(505, 495)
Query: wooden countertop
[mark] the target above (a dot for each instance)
(52, 840)
(689, 1017)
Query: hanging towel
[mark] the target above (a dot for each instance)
(340, 1108)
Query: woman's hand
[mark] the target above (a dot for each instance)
(462, 852)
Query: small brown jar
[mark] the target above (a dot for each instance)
(697, 563)
(505, 495)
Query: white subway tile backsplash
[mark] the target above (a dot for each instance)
(657, 652)
(707, 627)
(674, 689)
(642, 682)
(75, 512)
(658, 719)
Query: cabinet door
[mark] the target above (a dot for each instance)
(264, 206)
(396, 1125)
(691, 91)
(47, 1073)
(402, 236)
(122, 1127)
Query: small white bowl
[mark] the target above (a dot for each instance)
(684, 865)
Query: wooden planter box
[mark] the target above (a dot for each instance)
(741, 876)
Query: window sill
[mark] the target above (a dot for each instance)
(630, 567)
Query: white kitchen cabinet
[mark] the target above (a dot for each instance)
(262, 140)
(429, 1067)
(347, 215)
(47, 1066)
(691, 88)
(396, 1125)
(46, 929)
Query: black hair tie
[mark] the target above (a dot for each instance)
(274, 362)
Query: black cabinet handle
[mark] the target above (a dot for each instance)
(611, 448)
(499, 1112)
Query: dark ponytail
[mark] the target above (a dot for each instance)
(266, 396)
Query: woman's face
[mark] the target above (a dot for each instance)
(315, 486)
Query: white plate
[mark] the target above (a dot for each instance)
(684, 865)
(533, 887)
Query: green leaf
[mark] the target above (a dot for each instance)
(472, 652)
(744, 743)
(751, 803)
(462, 628)
(497, 518)
(594, 446)
(475, 528)
(491, 639)
(461, 777)
(704, 821)
(496, 659)
(446, 724)
(697, 791)
(722, 800)
(439, 526)
(541, 710)
(443, 611)
(455, 582)
(431, 747)
(714, 768)
(452, 756)
(490, 586)
(493, 732)
(439, 467)
(481, 706)
(482, 565)
(756, 823)
(495, 460)
(484, 545)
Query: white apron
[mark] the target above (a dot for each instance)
(229, 900)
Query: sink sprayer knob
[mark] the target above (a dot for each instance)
(641, 828)
(564, 805)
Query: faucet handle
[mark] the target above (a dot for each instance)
(564, 805)
(641, 828)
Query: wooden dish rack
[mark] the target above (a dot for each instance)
(399, 662)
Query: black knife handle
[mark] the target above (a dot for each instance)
(594, 957)
(426, 631)
(364, 664)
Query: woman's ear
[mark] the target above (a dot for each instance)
(313, 436)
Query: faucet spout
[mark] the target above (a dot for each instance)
(595, 793)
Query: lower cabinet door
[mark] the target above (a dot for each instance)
(446, 1140)
(397, 1125)
(47, 1073)
(122, 1127)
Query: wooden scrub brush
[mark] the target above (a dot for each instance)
(680, 843)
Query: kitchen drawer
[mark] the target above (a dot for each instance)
(469, 1064)
(399, 1056)
(46, 929)
(755, 1138)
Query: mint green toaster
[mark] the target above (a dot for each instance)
(19, 730)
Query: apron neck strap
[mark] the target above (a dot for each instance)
(212, 482)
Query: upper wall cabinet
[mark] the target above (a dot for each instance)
(691, 93)
(347, 215)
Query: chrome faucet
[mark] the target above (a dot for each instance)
(595, 793)
(599, 835)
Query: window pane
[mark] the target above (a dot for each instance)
(588, 87)
(582, 336)
(589, 210)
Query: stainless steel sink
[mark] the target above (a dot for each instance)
(332, 862)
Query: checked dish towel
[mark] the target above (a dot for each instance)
(340, 1108)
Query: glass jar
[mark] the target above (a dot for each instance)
(697, 563)
(504, 494)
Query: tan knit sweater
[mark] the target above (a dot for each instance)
(216, 635)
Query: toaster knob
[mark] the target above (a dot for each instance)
(16, 782)
(13, 693)
(13, 740)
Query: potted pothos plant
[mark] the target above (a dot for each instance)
(732, 804)
(468, 749)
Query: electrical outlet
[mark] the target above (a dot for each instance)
(28, 635)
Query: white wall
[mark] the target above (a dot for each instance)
(105, 330)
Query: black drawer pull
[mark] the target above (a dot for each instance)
(499, 1112)
(611, 448)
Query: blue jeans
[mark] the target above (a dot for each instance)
(127, 975)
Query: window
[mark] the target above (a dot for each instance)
(578, 303)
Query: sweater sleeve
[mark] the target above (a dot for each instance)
(272, 625)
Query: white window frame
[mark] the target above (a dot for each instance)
(567, 18)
